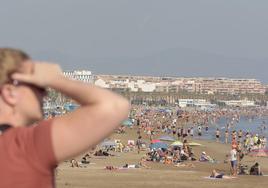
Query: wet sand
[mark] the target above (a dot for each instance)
(160, 175)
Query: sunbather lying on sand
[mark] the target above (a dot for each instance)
(191, 165)
(102, 153)
(111, 168)
(143, 164)
(126, 166)
(217, 175)
(131, 166)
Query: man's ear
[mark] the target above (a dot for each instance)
(9, 95)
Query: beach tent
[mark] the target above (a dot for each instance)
(127, 123)
(108, 143)
(158, 145)
(177, 143)
(259, 153)
(194, 144)
(167, 138)
(155, 141)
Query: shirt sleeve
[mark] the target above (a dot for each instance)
(42, 138)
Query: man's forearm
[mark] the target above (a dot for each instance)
(83, 93)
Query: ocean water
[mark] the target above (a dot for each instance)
(246, 125)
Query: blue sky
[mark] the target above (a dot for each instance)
(151, 37)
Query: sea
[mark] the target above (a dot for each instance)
(246, 125)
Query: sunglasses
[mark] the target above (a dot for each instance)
(41, 90)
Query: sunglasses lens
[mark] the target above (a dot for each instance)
(43, 91)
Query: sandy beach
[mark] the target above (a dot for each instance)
(160, 175)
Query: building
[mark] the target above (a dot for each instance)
(128, 83)
(81, 75)
(101, 83)
(230, 86)
(193, 103)
(174, 85)
(240, 103)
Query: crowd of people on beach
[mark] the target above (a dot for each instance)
(184, 123)
(185, 126)
(193, 124)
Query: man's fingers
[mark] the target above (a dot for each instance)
(27, 67)
(27, 78)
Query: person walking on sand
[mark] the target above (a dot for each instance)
(31, 147)
(139, 144)
(233, 159)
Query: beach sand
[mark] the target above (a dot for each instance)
(160, 175)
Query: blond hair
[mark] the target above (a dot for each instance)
(10, 60)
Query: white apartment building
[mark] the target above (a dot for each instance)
(132, 85)
(230, 86)
(102, 83)
(81, 75)
(193, 103)
(240, 103)
(174, 85)
(141, 85)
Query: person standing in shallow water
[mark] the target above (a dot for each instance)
(199, 128)
(218, 135)
(29, 154)
(226, 136)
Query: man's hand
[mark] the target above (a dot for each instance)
(38, 73)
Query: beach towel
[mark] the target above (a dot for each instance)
(210, 178)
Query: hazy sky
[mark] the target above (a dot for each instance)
(110, 36)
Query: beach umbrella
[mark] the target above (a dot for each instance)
(177, 143)
(108, 143)
(168, 110)
(167, 138)
(70, 106)
(194, 144)
(155, 141)
(158, 145)
(127, 123)
(161, 110)
(259, 153)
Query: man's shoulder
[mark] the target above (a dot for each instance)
(26, 132)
